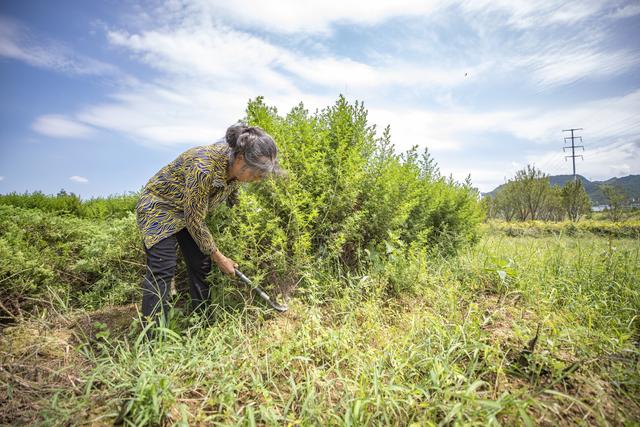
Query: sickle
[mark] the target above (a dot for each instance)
(261, 293)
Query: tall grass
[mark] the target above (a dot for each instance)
(454, 345)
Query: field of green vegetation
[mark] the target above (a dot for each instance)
(404, 307)
(629, 228)
(517, 330)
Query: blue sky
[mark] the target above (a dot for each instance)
(97, 96)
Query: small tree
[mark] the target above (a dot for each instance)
(488, 205)
(553, 209)
(615, 197)
(532, 190)
(575, 200)
(506, 201)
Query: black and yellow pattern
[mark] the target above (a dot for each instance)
(182, 193)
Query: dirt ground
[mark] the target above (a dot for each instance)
(40, 358)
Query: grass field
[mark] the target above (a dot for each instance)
(517, 330)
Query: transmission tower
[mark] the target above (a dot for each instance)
(573, 147)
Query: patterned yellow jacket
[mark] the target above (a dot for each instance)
(182, 193)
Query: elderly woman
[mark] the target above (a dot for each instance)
(173, 205)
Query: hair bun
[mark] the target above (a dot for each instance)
(234, 132)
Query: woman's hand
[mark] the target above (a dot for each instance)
(226, 265)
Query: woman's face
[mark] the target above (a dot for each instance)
(243, 172)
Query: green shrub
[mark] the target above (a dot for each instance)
(624, 229)
(81, 262)
(347, 198)
(61, 203)
(114, 206)
(346, 191)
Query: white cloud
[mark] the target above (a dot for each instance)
(19, 43)
(411, 127)
(626, 11)
(601, 119)
(80, 179)
(455, 129)
(209, 70)
(209, 54)
(183, 111)
(208, 65)
(220, 54)
(291, 16)
(524, 14)
(565, 65)
(1, 178)
(546, 44)
(58, 126)
(186, 113)
(196, 44)
(484, 178)
(619, 158)
(319, 16)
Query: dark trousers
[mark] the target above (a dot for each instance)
(161, 267)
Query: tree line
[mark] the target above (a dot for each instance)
(530, 196)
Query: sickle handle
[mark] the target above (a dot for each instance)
(260, 292)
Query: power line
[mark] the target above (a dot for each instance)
(573, 148)
(551, 163)
(556, 164)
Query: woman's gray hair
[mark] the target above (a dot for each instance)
(258, 148)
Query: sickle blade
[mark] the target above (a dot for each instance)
(262, 294)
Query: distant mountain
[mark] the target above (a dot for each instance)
(630, 184)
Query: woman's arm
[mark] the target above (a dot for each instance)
(196, 199)
(232, 198)
(198, 180)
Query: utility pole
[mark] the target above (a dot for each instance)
(573, 148)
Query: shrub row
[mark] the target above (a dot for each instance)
(115, 206)
(81, 262)
(630, 229)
